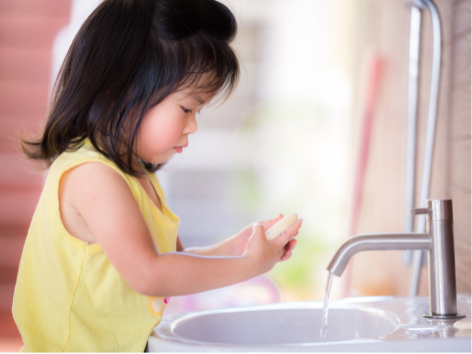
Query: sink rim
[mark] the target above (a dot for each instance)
(409, 310)
(167, 326)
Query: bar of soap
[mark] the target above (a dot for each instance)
(281, 226)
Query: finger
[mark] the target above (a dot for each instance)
(282, 257)
(293, 229)
(269, 223)
(288, 234)
(287, 254)
(288, 250)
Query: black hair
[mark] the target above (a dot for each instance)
(126, 58)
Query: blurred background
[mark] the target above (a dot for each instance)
(288, 140)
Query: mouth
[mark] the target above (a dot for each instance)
(179, 149)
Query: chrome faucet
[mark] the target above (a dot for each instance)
(438, 241)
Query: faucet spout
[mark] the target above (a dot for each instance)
(438, 240)
(376, 242)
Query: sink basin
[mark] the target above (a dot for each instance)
(354, 325)
(272, 326)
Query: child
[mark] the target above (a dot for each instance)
(103, 256)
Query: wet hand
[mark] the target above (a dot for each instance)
(241, 239)
(292, 230)
(288, 249)
(266, 253)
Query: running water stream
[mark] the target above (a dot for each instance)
(324, 318)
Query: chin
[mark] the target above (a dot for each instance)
(161, 160)
(157, 159)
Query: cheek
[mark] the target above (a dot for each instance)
(156, 134)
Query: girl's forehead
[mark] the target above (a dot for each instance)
(202, 88)
(199, 97)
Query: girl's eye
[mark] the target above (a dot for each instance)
(186, 110)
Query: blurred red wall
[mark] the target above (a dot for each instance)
(27, 32)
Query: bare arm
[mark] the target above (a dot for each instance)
(107, 206)
(236, 245)
(228, 247)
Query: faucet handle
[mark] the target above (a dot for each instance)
(436, 210)
(418, 211)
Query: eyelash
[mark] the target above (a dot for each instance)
(186, 110)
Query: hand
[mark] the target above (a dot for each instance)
(288, 249)
(264, 253)
(239, 241)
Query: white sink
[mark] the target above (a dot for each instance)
(273, 326)
(354, 325)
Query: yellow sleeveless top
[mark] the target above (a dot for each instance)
(68, 296)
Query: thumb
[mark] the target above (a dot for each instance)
(269, 223)
(258, 229)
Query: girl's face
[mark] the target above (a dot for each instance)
(165, 129)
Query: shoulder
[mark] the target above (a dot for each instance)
(95, 188)
(92, 177)
(90, 193)
(94, 169)
(85, 167)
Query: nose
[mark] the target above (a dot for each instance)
(191, 126)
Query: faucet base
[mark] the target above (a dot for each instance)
(442, 317)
